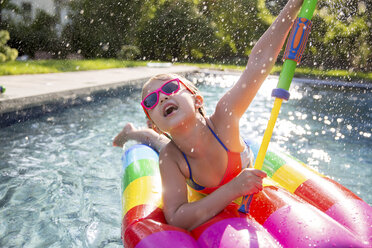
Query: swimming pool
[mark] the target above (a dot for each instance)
(59, 175)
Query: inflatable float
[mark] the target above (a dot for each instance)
(298, 207)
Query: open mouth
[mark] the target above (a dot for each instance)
(169, 110)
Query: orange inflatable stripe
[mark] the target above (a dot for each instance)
(144, 211)
(323, 193)
(265, 203)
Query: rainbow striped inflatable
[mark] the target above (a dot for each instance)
(298, 207)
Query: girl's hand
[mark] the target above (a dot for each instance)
(249, 181)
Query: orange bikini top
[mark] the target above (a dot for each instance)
(234, 167)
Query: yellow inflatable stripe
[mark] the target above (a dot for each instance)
(267, 181)
(143, 190)
(289, 178)
(304, 169)
(193, 195)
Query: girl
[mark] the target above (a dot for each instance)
(207, 153)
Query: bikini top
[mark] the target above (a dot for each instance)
(235, 160)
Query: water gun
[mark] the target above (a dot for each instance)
(292, 55)
(2, 89)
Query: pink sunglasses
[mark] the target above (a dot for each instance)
(168, 88)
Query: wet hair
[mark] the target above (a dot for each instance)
(169, 76)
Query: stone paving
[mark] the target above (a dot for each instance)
(29, 91)
(26, 91)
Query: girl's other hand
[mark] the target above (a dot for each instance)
(249, 181)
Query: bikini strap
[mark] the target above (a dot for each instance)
(218, 139)
(188, 165)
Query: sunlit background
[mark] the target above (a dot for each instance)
(60, 175)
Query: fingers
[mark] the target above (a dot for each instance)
(259, 186)
(258, 173)
(255, 188)
(249, 181)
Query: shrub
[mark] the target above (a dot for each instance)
(128, 52)
(6, 53)
(177, 30)
(38, 35)
(99, 28)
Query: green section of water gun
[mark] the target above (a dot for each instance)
(286, 76)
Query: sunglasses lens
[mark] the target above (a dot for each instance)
(150, 100)
(170, 87)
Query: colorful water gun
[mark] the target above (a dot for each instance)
(2, 89)
(293, 53)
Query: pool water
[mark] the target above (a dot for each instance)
(60, 176)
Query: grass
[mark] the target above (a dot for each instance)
(52, 66)
(307, 72)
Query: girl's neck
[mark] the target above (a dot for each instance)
(191, 138)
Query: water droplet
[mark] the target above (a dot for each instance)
(317, 97)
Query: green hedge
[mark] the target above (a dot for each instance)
(221, 31)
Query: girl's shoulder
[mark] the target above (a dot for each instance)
(171, 155)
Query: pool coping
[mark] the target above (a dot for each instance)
(28, 96)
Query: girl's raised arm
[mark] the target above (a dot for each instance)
(261, 60)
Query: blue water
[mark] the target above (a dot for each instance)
(60, 177)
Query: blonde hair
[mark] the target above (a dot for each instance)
(169, 76)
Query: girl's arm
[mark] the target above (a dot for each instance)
(260, 62)
(179, 212)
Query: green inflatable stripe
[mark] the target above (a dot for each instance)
(272, 163)
(137, 169)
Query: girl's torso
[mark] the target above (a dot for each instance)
(217, 167)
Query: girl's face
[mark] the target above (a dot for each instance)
(172, 110)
